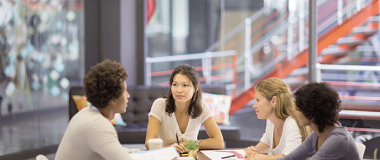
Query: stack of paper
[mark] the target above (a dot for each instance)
(157, 154)
(219, 154)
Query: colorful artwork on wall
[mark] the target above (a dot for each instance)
(41, 43)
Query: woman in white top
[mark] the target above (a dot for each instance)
(90, 134)
(181, 113)
(274, 102)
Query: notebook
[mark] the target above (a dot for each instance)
(157, 154)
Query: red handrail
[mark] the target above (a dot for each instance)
(302, 58)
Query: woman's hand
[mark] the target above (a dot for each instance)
(250, 150)
(180, 148)
(250, 156)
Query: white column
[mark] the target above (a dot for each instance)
(247, 53)
(340, 13)
(301, 26)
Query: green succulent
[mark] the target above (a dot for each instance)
(191, 145)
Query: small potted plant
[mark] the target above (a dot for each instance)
(192, 147)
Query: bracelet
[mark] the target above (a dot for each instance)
(253, 155)
(199, 141)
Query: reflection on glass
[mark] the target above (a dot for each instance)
(40, 53)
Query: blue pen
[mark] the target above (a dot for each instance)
(176, 135)
(177, 138)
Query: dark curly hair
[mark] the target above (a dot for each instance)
(195, 108)
(319, 103)
(104, 82)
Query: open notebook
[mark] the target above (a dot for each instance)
(157, 154)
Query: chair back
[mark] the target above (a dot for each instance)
(361, 148)
(140, 100)
(41, 157)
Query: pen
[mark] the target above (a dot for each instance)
(176, 135)
(228, 156)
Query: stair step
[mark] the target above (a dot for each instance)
(292, 81)
(334, 50)
(374, 19)
(364, 30)
(299, 72)
(353, 114)
(349, 41)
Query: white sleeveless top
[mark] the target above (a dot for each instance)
(169, 126)
(291, 137)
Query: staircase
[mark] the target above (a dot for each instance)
(334, 44)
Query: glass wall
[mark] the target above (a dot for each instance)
(41, 53)
(233, 42)
(188, 27)
(41, 57)
(271, 40)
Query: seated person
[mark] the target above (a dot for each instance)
(318, 106)
(182, 112)
(283, 134)
(90, 134)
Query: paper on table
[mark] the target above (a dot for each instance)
(218, 154)
(157, 154)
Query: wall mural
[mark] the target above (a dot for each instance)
(41, 53)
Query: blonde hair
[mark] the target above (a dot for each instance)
(285, 106)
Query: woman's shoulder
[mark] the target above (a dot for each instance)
(159, 102)
(204, 104)
(158, 108)
(88, 118)
(341, 137)
(290, 123)
(339, 133)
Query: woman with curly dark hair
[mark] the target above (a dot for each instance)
(181, 113)
(318, 106)
(90, 134)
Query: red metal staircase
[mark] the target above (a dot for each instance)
(346, 37)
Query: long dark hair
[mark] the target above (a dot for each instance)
(195, 108)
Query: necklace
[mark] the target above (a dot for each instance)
(278, 130)
(176, 116)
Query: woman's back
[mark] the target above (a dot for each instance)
(91, 136)
(339, 145)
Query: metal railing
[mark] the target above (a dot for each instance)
(321, 67)
(206, 58)
(256, 64)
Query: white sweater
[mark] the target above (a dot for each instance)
(90, 136)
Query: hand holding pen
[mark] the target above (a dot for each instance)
(178, 146)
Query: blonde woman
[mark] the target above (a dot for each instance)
(274, 102)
